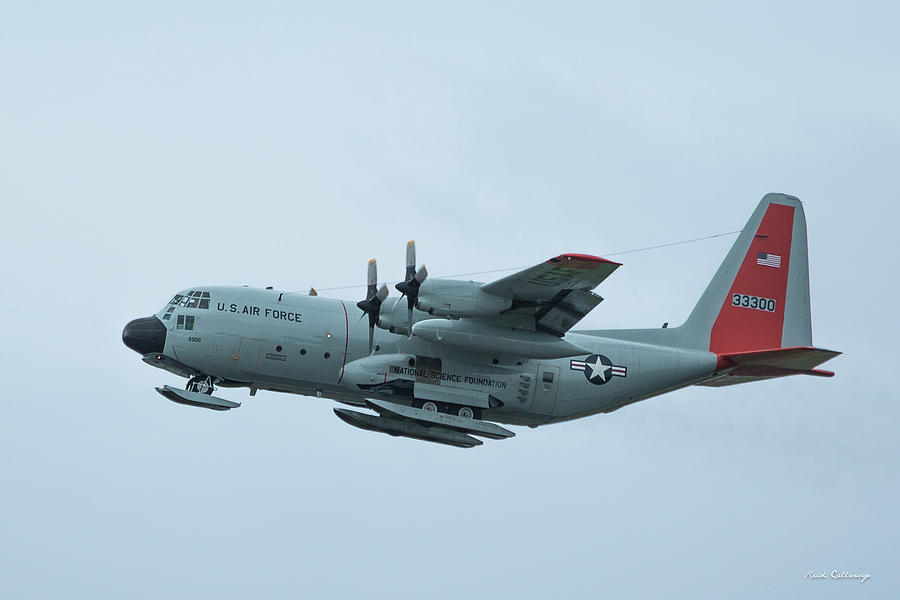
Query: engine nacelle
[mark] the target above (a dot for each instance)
(452, 298)
(395, 321)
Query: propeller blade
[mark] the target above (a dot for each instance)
(409, 287)
(421, 274)
(410, 259)
(372, 280)
(372, 304)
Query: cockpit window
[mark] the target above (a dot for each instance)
(192, 299)
(185, 322)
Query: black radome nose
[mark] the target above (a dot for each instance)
(145, 336)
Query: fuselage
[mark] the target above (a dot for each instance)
(318, 346)
(452, 352)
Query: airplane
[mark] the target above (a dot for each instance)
(450, 360)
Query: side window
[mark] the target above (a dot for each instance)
(548, 377)
(189, 322)
(180, 324)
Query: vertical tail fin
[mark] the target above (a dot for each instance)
(759, 297)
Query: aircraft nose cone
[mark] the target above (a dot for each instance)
(145, 336)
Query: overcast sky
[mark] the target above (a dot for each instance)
(149, 148)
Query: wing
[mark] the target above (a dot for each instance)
(557, 292)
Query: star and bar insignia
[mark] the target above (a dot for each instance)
(598, 369)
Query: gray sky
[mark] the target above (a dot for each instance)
(153, 147)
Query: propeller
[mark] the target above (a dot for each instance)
(372, 304)
(409, 287)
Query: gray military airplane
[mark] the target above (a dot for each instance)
(464, 356)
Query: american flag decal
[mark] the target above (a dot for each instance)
(768, 260)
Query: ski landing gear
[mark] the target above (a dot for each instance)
(417, 422)
(198, 392)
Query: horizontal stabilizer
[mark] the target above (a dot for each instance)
(196, 399)
(743, 367)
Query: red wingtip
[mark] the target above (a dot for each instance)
(582, 258)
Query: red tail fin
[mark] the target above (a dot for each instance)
(759, 297)
(752, 316)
